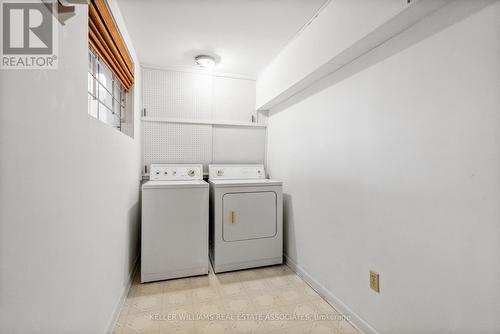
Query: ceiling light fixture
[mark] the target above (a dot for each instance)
(204, 61)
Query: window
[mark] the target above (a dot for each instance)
(110, 71)
(107, 99)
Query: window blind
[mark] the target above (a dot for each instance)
(105, 39)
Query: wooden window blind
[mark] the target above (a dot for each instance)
(105, 39)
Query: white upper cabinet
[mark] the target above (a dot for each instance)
(177, 94)
(194, 96)
(234, 99)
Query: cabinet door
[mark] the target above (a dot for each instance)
(249, 216)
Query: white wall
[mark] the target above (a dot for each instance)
(397, 169)
(69, 197)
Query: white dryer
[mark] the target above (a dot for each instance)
(246, 218)
(174, 223)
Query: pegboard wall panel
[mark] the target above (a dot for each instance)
(176, 143)
(170, 94)
(177, 94)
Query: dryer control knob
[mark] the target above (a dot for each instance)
(191, 172)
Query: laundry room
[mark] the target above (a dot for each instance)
(249, 166)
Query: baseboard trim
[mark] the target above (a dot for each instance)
(123, 298)
(360, 324)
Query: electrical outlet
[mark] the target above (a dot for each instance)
(374, 281)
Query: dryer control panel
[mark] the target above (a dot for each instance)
(236, 172)
(169, 172)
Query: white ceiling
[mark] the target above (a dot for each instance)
(245, 34)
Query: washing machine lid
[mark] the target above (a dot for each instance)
(175, 184)
(246, 183)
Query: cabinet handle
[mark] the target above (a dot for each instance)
(232, 217)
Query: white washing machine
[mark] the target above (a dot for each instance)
(174, 223)
(246, 218)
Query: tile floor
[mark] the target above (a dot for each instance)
(255, 301)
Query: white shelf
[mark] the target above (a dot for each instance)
(423, 16)
(196, 121)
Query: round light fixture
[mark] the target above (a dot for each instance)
(204, 61)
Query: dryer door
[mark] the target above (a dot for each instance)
(249, 215)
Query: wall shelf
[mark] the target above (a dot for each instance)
(296, 68)
(198, 121)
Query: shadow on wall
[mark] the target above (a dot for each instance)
(429, 26)
(289, 242)
(134, 236)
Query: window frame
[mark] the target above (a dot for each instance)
(119, 96)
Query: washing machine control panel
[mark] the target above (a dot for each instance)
(236, 172)
(168, 172)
